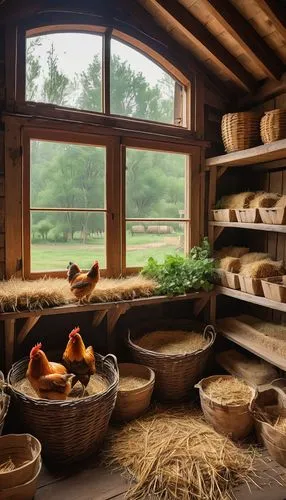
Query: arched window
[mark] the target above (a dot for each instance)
(100, 125)
(96, 72)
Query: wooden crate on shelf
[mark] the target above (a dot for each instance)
(248, 215)
(251, 285)
(224, 215)
(228, 279)
(273, 215)
(275, 288)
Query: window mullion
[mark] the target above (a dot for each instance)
(106, 71)
(113, 204)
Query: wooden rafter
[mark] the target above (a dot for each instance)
(276, 12)
(201, 36)
(242, 31)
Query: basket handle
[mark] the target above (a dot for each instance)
(111, 358)
(209, 329)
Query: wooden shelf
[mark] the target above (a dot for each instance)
(260, 154)
(254, 347)
(248, 297)
(275, 228)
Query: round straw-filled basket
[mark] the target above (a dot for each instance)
(136, 384)
(240, 131)
(227, 408)
(68, 430)
(273, 125)
(20, 458)
(4, 403)
(175, 374)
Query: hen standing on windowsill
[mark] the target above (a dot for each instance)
(83, 284)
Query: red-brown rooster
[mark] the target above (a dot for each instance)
(78, 359)
(50, 380)
(82, 284)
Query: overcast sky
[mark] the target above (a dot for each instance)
(76, 51)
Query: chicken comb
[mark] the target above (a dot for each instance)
(74, 332)
(36, 349)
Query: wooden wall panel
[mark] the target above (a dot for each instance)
(2, 179)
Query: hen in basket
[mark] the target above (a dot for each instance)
(78, 359)
(50, 380)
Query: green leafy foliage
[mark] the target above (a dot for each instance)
(179, 275)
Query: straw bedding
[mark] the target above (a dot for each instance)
(239, 200)
(264, 200)
(174, 454)
(97, 384)
(253, 257)
(262, 269)
(280, 424)
(228, 391)
(269, 335)
(172, 342)
(251, 369)
(128, 382)
(48, 292)
(281, 203)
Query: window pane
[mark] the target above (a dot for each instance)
(65, 69)
(144, 240)
(139, 87)
(58, 238)
(155, 184)
(67, 175)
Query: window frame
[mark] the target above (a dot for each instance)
(112, 208)
(185, 102)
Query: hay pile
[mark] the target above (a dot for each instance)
(229, 391)
(49, 292)
(253, 257)
(268, 335)
(236, 252)
(128, 382)
(235, 201)
(264, 200)
(172, 342)
(262, 269)
(175, 454)
(229, 264)
(252, 369)
(97, 384)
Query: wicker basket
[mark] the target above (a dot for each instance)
(175, 374)
(273, 125)
(4, 404)
(273, 215)
(226, 278)
(68, 430)
(248, 215)
(24, 491)
(25, 452)
(132, 403)
(224, 215)
(235, 421)
(251, 285)
(240, 131)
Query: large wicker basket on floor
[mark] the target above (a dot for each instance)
(240, 131)
(4, 403)
(68, 430)
(175, 374)
(273, 125)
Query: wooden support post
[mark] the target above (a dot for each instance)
(217, 232)
(113, 316)
(221, 171)
(26, 328)
(9, 329)
(98, 317)
(213, 309)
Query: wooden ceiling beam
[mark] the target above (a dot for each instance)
(194, 30)
(244, 33)
(276, 12)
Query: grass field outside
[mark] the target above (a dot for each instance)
(50, 256)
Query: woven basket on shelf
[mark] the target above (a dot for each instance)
(68, 430)
(175, 374)
(273, 125)
(4, 404)
(240, 131)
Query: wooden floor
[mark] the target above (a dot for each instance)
(89, 481)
